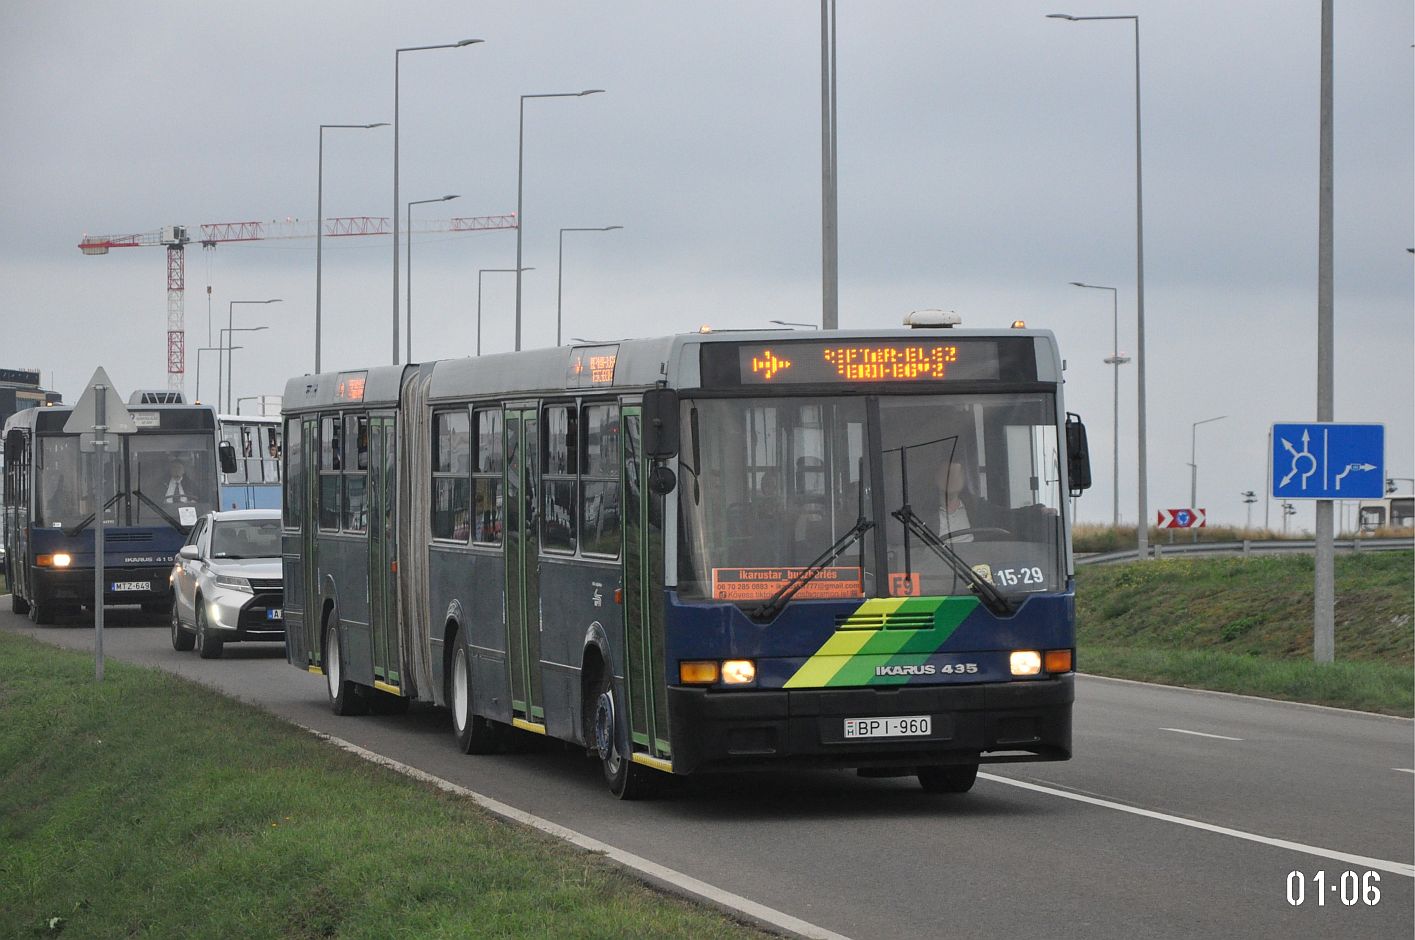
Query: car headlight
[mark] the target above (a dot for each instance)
(234, 583)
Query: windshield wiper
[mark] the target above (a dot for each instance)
(88, 520)
(987, 592)
(772, 605)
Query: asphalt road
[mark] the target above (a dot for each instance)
(1276, 785)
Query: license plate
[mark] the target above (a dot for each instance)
(275, 613)
(131, 586)
(910, 726)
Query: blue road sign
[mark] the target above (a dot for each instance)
(1328, 461)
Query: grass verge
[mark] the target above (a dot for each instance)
(1245, 625)
(149, 806)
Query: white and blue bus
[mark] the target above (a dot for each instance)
(156, 484)
(249, 450)
(699, 553)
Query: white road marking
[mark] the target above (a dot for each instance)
(1404, 770)
(652, 871)
(1396, 868)
(1202, 734)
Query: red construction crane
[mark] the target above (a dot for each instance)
(175, 238)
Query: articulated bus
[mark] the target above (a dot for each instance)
(700, 553)
(156, 483)
(249, 452)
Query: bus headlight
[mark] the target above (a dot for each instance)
(57, 560)
(739, 672)
(1026, 662)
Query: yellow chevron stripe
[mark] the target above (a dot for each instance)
(843, 644)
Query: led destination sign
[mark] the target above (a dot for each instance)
(817, 362)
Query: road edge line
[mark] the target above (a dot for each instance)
(1394, 868)
(1254, 698)
(669, 879)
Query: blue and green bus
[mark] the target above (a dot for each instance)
(155, 484)
(249, 452)
(700, 553)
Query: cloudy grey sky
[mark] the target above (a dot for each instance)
(986, 160)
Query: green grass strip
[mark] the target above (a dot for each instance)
(1374, 687)
(148, 806)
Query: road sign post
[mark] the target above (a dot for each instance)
(1325, 461)
(95, 415)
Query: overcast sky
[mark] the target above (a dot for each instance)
(986, 159)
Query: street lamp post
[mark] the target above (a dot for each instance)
(1117, 360)
(319, 237)
(560, 267)
(1193, 460)
(226, 342)
(408, 342)
(520, 164)
(197, 391)
(396, 204)
(1143, 529)
(479, 279)
(230, 326)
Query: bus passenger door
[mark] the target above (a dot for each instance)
(522, 565)
(309, 537)
(382, 553)
(643, 596)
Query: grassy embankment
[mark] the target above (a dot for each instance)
(149, 806)
(1245, 625)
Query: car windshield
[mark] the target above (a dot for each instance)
(770, 484)
(246, 538)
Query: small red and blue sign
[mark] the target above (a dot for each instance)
(1182, 519)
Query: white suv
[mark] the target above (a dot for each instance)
(226, 582)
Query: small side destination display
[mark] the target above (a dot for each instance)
(817, 362)
(758, 584)
(351, 386)
(591, 366)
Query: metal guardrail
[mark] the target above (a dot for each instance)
(1248, 547)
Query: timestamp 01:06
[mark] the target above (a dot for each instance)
(1348, 888)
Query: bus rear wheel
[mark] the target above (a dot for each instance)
(627, 780)
(475, 734)
(344, 697)
(948, 778)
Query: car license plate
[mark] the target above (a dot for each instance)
(910, 726)
(275, 613)
(131, 586)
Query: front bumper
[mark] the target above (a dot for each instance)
(986, 723)
(239, 616)
(74, 586)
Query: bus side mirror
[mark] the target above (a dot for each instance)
(662, 480)
(1078, 455)
(660, 423)
(227, 452)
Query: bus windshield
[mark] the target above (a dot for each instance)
(769, 485)
(148, 481)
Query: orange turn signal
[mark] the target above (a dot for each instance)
(1058, 661)
(44, 561)
(698, 672)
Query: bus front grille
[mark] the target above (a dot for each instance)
(917, 620)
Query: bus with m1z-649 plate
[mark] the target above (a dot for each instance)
(156, 483)
(700, 553)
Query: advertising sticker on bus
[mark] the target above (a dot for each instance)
(759, 584)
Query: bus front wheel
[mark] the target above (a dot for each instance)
(627, 780)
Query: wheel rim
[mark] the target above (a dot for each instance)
(604, 731)
(461, 693)
(331, 662)
(176, 624)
